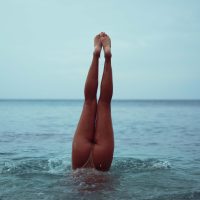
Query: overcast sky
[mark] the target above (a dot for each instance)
(46, 47)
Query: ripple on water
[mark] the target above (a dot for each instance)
(60, 166)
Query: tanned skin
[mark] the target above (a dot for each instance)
(93, 143)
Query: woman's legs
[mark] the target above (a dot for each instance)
(104, 139)
(84, 135)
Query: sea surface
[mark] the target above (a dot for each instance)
(157, 151)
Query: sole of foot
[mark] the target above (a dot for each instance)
(97, 45)
(106, 42)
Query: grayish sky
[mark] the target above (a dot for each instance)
(46, 47)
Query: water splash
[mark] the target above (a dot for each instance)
(62, 165)
(132, 164)
(35, 166)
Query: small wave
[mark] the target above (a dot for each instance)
(6, 154)
(29, 166)
(193, 195)
(140, 165)
(61, 165)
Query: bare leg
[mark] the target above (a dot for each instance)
(84, 135)
(104, 139)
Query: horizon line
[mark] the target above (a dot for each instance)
(81, 99)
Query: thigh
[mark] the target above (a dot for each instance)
(104, 139)
(84, 135)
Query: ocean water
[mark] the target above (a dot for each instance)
(157, 151)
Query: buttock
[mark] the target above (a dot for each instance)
(89, 163)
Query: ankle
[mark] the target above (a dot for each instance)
(108, 56)
(96, 53)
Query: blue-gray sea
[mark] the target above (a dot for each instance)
(157, 151)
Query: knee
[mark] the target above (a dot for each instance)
(90, 92)
(91, 102)
(105, 99)
(104, 103)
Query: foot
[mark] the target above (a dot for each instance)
(106, 42)
(97, 45)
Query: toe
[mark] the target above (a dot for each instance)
(101, 34)
(102, 38)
